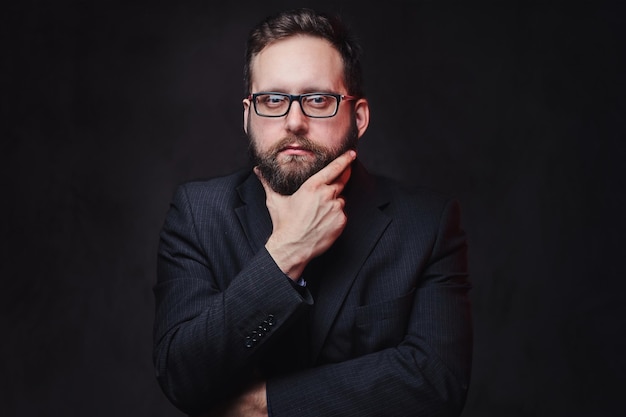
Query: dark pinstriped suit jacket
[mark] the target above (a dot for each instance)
(383, 327)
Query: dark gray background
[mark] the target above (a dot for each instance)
(515, 108)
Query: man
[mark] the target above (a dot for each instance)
(307, 286)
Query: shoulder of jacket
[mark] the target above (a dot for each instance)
(222, 183)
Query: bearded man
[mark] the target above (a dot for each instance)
(304, 285)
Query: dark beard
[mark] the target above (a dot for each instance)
(286, 177)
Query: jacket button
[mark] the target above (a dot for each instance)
(249, 342)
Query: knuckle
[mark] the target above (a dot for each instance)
(343, 221)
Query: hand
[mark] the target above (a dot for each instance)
(250, 403)
(307, 223)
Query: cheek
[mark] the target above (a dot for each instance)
(331, 134)
(263, 134)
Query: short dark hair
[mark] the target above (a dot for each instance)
(306, 21)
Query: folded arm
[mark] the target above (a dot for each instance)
(427, 373)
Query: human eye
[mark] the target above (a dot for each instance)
(319, 101)
(271, 100)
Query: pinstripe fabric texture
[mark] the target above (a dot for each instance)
(382, 329)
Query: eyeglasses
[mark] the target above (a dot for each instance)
(317, 105)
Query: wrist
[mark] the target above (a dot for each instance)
(288, 260)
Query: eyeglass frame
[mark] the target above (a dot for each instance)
(298, 97)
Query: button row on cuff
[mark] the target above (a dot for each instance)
(255, 335)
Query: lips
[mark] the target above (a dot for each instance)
(296, 146)
(292, 147)
(295, 150)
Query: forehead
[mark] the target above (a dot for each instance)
(298, 64)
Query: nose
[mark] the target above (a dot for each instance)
(295, 120)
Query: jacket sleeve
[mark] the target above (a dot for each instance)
(426, 374)
(207, 338)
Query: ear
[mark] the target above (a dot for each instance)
(246, 112)
(362, 113)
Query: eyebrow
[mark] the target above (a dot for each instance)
(305, 91)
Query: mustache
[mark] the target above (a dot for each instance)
(299, 141)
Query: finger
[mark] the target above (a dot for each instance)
(341, 181)
(341, 201)
(330, 172)
(344, 177)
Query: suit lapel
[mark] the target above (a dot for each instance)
(253, 215)
(336, 270)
